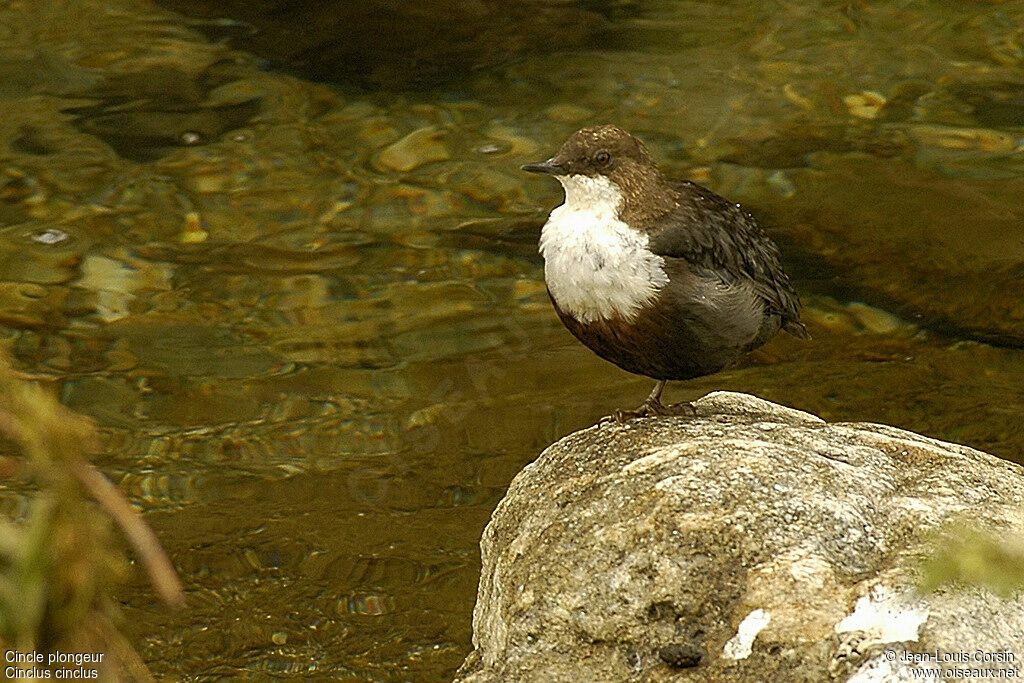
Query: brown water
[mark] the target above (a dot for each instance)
(311, 321)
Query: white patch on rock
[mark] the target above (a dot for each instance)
(742, 644)
(884, 617)
(595, 265)
(659, 457)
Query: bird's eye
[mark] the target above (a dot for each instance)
(602, 158)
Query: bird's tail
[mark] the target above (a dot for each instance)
(796, 328)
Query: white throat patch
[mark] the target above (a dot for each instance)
(596, 266)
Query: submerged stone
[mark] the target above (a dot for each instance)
(419, 147)
(947, 250)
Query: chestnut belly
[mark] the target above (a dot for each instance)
(675, 337)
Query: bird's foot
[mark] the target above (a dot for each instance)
(651, 408)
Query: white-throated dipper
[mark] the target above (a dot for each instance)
(664, 278)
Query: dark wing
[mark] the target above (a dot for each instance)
(714, 233)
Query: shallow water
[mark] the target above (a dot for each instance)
(310, 319)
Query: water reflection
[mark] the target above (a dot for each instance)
(405, 46)
(311, 321)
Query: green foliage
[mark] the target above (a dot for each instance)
(23, 568)
(966, 556)
(60, 564)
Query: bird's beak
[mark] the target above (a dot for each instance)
(551, 167)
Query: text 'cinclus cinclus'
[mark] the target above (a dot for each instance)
(663, 278)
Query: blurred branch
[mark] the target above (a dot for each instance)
(161, 573)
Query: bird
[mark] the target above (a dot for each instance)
(662, 277)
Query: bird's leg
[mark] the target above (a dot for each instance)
(653, 406)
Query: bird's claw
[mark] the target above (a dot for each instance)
(684, 408)
(650, 409)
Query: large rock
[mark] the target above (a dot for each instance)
(754, 542)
